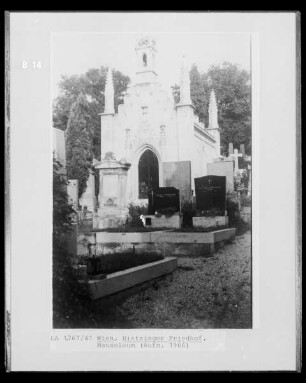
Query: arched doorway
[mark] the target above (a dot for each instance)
(148, 174)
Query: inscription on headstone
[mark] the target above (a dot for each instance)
(164, 200)
(211, 195)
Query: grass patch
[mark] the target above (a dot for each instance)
(110, 263)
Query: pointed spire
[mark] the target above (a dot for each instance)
(213, 111)
(109, 93)
(185, 83)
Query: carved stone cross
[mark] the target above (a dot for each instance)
(236, 155)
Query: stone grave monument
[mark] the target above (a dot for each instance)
(113, 210)
(73, 193)
(178, 175)
(210, 201)
(223, 168)
(88, 198)
(163, 209)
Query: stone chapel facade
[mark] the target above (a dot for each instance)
(150, 131)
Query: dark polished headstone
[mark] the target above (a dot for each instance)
(210, 195)
(164, 200)
(241, 163)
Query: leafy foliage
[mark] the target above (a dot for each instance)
(199, 93)
(241, 180)
(234, 217)
(135, 211)
(90, 84)
(62, 210)
(79, 138)
(70, 304)
(233, 92)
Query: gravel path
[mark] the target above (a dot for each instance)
(212, 292)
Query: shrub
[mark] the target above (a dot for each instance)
(246, 200)
(234, 217)
(188, 210)
(70, 303)
(135, 211)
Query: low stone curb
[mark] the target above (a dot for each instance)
(125, 279)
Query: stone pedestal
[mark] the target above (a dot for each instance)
(174, 221)
(88, 198)
(73, 193)
(112, 211)
(206, 222)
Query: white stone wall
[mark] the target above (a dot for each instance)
(148, 119)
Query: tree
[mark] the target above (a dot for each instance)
(79, 142)
(71, 306)
(233, 92)
(62, 210)
(198, 94)
(91, 84)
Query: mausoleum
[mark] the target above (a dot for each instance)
(164, 143)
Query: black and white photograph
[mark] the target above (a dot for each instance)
(152, 191)
(152, 180)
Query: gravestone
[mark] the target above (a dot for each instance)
(230, 148)
(164, 209)
(88, 198)
(242, 149)
(163, 200)
(73, 193)
(211, 194)
(178, 175)
(241, 163)
(236, 157)
(210, 202)
(223, 168)
(59, 146)
(113, 210)
(59, 153)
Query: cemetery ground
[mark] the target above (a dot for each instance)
(204, 292)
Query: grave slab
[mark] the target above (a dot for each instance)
(207, 222)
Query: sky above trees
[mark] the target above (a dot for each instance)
(75, 53)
